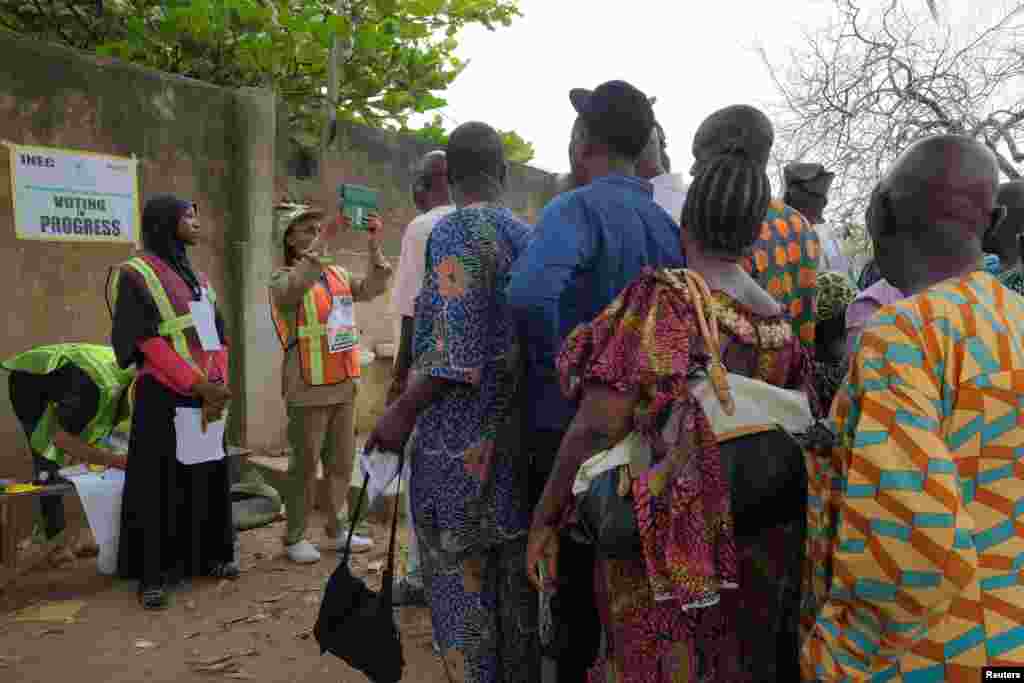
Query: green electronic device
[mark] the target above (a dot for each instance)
(357, 202)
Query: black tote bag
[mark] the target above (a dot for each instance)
(356, 624)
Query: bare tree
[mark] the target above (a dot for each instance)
(867, 85)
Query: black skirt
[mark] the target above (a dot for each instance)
(175, 519)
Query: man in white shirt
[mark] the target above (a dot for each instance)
(430, 193)
(807, 187)
(655, 166)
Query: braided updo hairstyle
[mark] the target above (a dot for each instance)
(727, 202)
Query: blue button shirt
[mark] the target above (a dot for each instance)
(589, 244)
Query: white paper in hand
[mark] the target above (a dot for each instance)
(194, 445)
(383, 470)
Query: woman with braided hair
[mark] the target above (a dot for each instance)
(676, 607)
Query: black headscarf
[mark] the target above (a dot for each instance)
(135, 316)
(160, 221)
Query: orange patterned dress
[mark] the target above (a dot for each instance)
(784, 261)
(914, 521)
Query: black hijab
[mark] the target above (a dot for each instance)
(160, 219)
(135, 317)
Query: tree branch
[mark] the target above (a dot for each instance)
(1005, 166)
(85, 21)
(866, 86)
(55, 23)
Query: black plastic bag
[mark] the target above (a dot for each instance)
(606, 517)
(357, 625)
(767, 478)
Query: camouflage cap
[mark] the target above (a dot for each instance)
(288, 214)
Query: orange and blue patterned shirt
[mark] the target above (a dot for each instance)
(916, 543)
(784, 261)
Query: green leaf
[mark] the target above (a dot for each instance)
(323, 33)
(425, 8)
(366, 38)
(401, 59)
(412, 30)
(339, 26)
(427, 101)
(517, 150)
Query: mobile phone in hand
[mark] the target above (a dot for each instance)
(357, 202)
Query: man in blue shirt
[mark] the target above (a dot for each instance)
(588, 245)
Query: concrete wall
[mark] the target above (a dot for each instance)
(383, 161)
(260, 410)
(190, 139)
(185, 135)
(227, 150)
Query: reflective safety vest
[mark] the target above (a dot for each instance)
(100, 364)
(172, 296)
(326, 333)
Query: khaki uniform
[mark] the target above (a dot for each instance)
(321, 419)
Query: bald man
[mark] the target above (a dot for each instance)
(430, 194)
(784, 259)
(916, 544)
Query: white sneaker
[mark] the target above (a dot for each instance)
(360, 544)
(303, 552)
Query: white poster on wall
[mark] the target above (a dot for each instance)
(64, 195)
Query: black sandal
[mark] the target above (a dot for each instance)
(225, 570)
(175, 581)
(154, 598)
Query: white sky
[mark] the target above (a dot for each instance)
(695, 57)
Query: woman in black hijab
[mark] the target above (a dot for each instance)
(175, 518)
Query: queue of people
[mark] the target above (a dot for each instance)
(908, 563)
(530, 357)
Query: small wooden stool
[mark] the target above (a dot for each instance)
(9, 569)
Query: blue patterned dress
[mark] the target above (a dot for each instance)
(468, 489)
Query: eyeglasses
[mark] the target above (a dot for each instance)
(308, 228)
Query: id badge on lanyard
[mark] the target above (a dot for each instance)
(204, 319)
(341, 325)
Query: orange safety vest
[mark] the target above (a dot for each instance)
(328, 351)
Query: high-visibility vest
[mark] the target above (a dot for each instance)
(321, 365)
(172, 296)
(100, 364)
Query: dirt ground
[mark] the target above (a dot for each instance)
(114, 641)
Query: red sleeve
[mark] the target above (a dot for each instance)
(220, 362)
(639, 344)
(180, 376)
